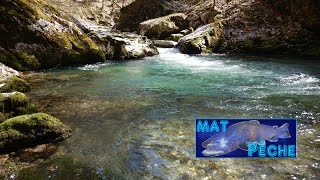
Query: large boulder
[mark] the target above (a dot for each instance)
(35, 35)
(119, 45)
(202, 40)
(29, 130)
(139, 11)
(162, 27)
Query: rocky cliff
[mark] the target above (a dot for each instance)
(240, 26)
(35, 35)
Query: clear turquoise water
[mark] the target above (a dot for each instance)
(135, 118)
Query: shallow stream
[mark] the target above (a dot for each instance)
(135, 119)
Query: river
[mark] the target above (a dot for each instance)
(135, 119)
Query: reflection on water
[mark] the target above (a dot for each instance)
(135, 119)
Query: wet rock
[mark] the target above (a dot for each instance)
(120, 46)
(165, 43)
(29, 130)
(162, 27)
(34, 35)
(175, 37)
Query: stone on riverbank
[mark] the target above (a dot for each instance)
(202, 40)
(29, 130)
(121, 46)
(163, 27)
(165, 43)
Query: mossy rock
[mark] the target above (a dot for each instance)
(36, 36)
(14, 104)
(2, 117)
(29, 130)
(15, 84)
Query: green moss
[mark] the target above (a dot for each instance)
(2, 117)
(19, 60)
(315, 51)
(28, 109)
(15, 84)
(15, 104)
(28, 130)
(18, 99)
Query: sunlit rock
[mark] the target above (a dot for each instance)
(117, 45)
(162, 27)
(29, 130)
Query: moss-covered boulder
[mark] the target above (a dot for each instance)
(35, 35)
(14, 84)
(163, 27)
(14, 104)
(120, 46)
(29, 130)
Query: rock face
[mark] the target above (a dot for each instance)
(139, 11)
(28, 130)
(248, 26)
(35, 35)
(121, 46)
(162, 27)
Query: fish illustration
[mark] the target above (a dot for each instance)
(238, 135)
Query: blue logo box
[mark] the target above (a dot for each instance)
(246, 138)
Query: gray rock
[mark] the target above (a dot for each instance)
(162, 27)
(175, 37)
(119, 46)
(165, 43)
(200, 41)
(6, 71)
